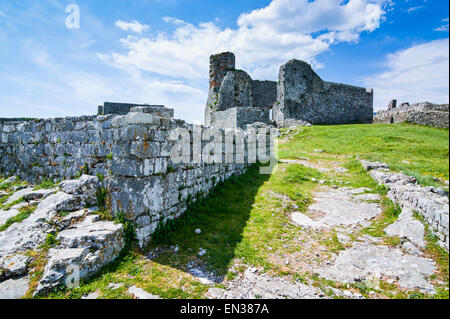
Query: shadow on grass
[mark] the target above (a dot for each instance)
(221, 217)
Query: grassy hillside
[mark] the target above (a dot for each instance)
(416, 150)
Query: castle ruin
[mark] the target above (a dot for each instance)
(300, 96)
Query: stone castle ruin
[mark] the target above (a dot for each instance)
(424, 113)
(131, 146)
(235, 100)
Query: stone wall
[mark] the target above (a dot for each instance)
(300, 97)
(264, 93)
(133, 153)
(425, 113)
(232, 89)
(15, 119)
(240, 117)
(430, 202)
(303, 95)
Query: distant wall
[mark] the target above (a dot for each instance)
(426, 113)
(14, 119)
(133, 153)
(115, 108)
(303, 95)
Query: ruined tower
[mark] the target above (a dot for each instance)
(235, 100)
(219, 65)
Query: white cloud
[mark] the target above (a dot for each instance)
(412, 9)
(419, 73)
(303, 16)
(263, 40)
(133, 26)
(443, 27)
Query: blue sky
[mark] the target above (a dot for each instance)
(157, 51)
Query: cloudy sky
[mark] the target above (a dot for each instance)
(157, 51)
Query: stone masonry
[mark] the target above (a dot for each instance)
(425, 113)
(133, 154)
(303, 95)
(300, 97)
(234, 99)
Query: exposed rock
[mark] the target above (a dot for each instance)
(203, 276)
(31, 233)
(429, 202)
(61, 264)
(86, 186)
(368, 197)
(93, 234)
(92, 295)
(360, 190)
(406, 226)
(411, 249)
(70, 219)
(253, 285)
(343, 238)
(365, 262)
(39, 194)
(14, 288)
(5, 215)
(18, 195)
(14, 266)
(334, 208)
(87, 247)
(140, 293)
(373, 165)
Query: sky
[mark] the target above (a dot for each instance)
(157, 51)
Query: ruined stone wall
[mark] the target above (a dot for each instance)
(420, 113)
(133, 153)
(219, 66)
(264, 93)
(231, 89)
(303, 95)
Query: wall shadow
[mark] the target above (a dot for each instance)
(221, 218)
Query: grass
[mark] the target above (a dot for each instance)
(45, 184)
(13, 203)
(390, 214)
(24, 213)
(425, 148)
(8, 188)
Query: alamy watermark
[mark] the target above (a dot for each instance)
(214, 146)
(73, 17)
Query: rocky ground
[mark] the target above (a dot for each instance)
(364, 260)
(345, 244)
(48, 237)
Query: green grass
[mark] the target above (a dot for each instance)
(45, 184)
(425, 148)
(8, 206)
(24, 213)
(390, 214)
